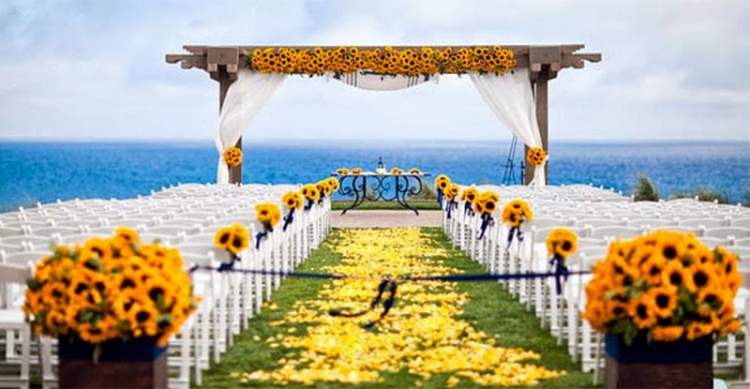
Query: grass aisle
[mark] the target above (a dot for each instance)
(465, 325)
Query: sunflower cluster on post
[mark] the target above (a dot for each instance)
(485, 206)
(561, 243)
(311, 194)
(234, 239)
(515, 213)
(268, 214)
(115, 289)
(389, 61)
(451, 193)
(233, 156)
(536, 156)
(442, 183)
(468, 196)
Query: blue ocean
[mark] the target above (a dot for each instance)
(33, 172)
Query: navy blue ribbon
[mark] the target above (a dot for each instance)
(288, 219)
(309, 204)
(451, 204)
(486, 220)
(440, 198)
(468, 209)
(261, 235)
(561, 271)
(514, 231)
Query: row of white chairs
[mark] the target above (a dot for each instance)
(229, 300)
(561, 314)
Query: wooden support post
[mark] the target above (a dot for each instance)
(224, 79)
(540, 87)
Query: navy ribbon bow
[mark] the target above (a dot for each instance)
(261, 235)
(440, 198)
(561, 271)
(228, 266)
(288, 219)
(308, 205)
(514, 231)
(486, 220)
(468, 210)
(451, 204)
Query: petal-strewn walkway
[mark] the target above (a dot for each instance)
(438, 334)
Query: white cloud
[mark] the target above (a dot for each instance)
(96, 69)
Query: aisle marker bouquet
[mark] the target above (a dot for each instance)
(108, 289)
(292, 201)
(468, 196)
(515, 213)
(442, 182)
(486, 205)
(311, 194)
(561, 243)
(234, 239)
(268, 214)
(451, 193)
(666, 285)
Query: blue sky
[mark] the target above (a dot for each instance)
(95, 69)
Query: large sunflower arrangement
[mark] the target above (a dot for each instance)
(311, 194)
(233, 156)
(389, 61)
(536, 156)
(665, 285)
(516, 212)
(110, 288)
(233, 239)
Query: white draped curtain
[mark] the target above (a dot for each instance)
(377, 82)
(510, 97)
(512, 100)
(244, 99)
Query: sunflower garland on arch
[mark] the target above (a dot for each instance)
(391, 61)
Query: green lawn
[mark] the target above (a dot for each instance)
(490, 309)
(338, 205)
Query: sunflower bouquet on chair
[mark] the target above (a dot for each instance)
(442, 183)
(292, 201)
(113, 289)
(468, 196)
(561, 243)
(234, 239)
(268, 215)
(451, 194)
(664, 286)
(311, 195)
(325, 190)
(515, 213)
(485, 206)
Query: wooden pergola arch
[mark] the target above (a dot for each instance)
(543, 61)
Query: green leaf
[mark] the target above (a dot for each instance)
(34, 284)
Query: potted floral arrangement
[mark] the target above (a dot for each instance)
(113, 304)
(661, 299)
